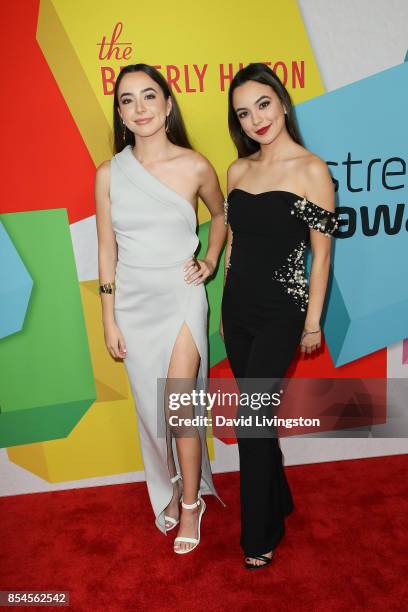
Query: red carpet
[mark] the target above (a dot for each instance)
(345, 547)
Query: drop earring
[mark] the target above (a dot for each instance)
(124, 131)
(166, 124)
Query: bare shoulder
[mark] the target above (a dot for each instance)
(314, 168)
(199, 166)
(103, 172)
(189, 159)
(102, 180)
(236, 170)
(200, 162)
(238, 165)
(318, 183)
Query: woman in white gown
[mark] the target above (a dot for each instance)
(154, 304)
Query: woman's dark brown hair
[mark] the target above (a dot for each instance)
(261, 74)
(176, 130)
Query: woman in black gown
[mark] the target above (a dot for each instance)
(280, 200)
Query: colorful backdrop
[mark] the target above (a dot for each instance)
(67, 418)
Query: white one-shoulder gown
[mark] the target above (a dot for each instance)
(155, 231)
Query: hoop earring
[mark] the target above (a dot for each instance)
(124, 132)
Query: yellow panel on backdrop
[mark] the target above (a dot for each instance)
(73, 82)
(198, 46)
(106, 440)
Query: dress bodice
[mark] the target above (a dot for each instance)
(271, 231)
(153, 224)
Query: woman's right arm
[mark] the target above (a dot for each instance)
(234, 171)
(107, 259)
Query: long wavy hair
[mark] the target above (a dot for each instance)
(261, 74)
(176, 130)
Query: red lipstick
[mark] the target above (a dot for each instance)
(263, 130)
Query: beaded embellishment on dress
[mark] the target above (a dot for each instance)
(226, 223)
(226, 211)
(316, 217)
(292, 276)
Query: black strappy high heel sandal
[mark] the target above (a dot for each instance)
(266, 561)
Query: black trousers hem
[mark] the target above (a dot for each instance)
(269, 545)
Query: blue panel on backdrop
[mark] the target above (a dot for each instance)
(361, 131)
(15, 287)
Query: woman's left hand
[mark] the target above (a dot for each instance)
(198, 270)
(310, 341)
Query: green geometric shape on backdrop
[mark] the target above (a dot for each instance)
(46, 377)
(214, 289)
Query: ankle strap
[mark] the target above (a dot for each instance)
(193, 505)
(175, 478)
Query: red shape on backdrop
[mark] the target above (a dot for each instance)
(47, 164)
(319, 365)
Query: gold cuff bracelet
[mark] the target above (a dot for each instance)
(107, 288)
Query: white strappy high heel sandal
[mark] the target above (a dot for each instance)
(195, 541)
(169, 519)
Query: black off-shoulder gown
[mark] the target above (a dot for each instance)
(263, 311)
